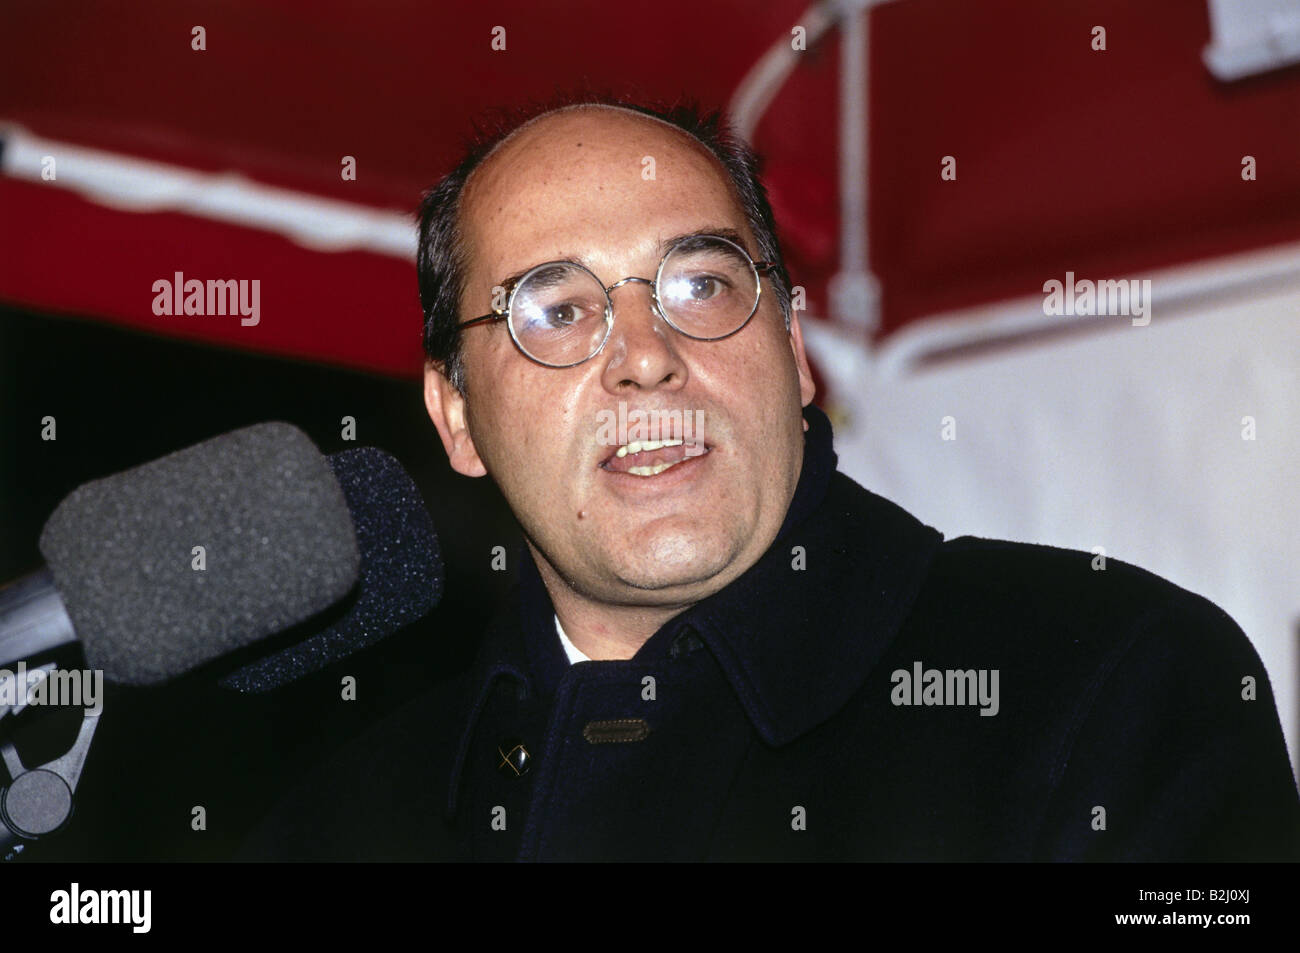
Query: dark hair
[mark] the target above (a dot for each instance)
(440, 260)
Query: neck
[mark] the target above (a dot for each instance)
(601, 631)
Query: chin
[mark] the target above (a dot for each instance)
(684, 564)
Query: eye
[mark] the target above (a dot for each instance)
(562, 315)
(704, 287)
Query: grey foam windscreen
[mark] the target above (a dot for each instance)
(277, 547)
(401, 571)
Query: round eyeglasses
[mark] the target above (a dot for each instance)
(560, 314)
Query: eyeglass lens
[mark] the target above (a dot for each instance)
(707, 290)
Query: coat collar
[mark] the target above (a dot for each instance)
(795, 643)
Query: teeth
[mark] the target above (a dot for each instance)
(651, 471)
(644, 446)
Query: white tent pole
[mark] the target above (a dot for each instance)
(854, 291)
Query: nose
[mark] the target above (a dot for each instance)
(641, 353)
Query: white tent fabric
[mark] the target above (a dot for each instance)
(1129, 438)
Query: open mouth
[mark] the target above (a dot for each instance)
(647, 458)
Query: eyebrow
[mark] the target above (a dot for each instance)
(728, 233)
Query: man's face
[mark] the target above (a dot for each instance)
(571, 187)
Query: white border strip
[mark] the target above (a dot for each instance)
(1184, 287)
(137, 185)
(1249, 37)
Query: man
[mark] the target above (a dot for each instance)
(718, 646)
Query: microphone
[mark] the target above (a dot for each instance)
(163, 568)
(166, 566)
(286, 533)
(289, 532)
(401, 571)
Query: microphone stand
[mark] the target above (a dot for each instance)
(38, 800)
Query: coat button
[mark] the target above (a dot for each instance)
(686, 642)
(515, 760)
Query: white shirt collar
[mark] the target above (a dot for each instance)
(572, 651)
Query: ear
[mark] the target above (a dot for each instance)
(807, 388)
(446, 407)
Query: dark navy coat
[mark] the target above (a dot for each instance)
(826, 705)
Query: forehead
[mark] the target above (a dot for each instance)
(601, 184)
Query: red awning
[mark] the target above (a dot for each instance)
(1067, 158)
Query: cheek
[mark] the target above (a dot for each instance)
(760, 369)
(524, 422)
(494, 412)
(765, 402)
